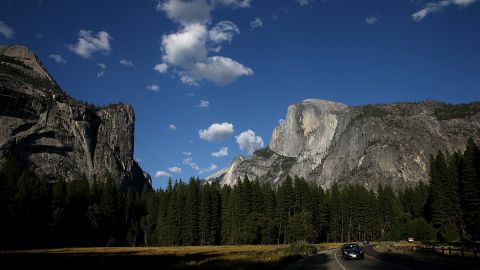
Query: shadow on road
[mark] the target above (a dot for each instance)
(317, 262)
(408, 262)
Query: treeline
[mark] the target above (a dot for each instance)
(36, 213)
(454, 200)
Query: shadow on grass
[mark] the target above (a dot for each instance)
(129, 261)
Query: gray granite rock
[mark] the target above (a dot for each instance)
(328, 142)
(57, 136)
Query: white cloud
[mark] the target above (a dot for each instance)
(188, 48)
(235, 3)
(249, 142)
(102, 65)
(436, 7)
(210, 168)
(153, 87)
(189, 161)
(186, 12)
(223, 31)
(6, 30)
(175, 169)
(216, 132)
(223, 152)
(185, 47)
(58, 59)
(218, 69)
(161, 68)
(256, 23)
(172, 127)
(161, 173)
(101, 74)
(126, 62)
(88, 44)
(187, 153)
(371, 20)
(304, 2)
(204, 104)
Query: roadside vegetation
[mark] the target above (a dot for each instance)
(263, 257)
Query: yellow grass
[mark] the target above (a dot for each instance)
(180, 250)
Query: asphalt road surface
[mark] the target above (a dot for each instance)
(333, 260)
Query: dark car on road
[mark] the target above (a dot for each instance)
(352, 251)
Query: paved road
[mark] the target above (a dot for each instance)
(333, 260)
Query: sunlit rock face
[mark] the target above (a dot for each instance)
(56, 136)
(328, 142)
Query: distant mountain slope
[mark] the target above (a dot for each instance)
(56, 136)
(327, 142)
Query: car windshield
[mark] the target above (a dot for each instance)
(351, 246)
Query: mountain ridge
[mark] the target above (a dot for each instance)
(328, 142)
(56, 136)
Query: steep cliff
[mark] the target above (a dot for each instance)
(56, 136)
(327, 142)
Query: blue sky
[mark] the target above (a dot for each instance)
(210, 79)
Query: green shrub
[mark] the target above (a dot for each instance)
(300, 248)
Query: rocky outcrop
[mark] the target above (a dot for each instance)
(328, 142)
(56, 136)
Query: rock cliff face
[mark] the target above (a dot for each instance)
(56, 136)
(327, 142)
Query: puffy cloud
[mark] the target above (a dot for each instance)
(6, 30)
(204, 104)
(216, 132)
(256, 23)
(101, 74)
(304, 2)
(435, 7)
(88, 44)
(188, 48)
(187, 153)
(172, 127)
(175, 169)
(126, 62)
(223, 152)
(58, 59)
(153, 87)
(186, 12)
(249, 142)
(102, 65)
(371, 20)
(161, 173)
(161, 68)
(218, 69)
(185, 47)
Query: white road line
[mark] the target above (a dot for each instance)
(336, 259)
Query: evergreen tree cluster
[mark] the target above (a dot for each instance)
(454, 199)
(34, 212)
